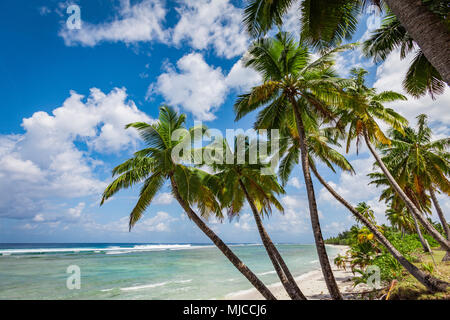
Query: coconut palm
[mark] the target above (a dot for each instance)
(422, 77)
(293, 84)
(155, 164)
(360, 118)
(239, 181)
(401, 220)
(320, 142)
(328, 22)
(396, 203)
(365, 210)
(424, 163)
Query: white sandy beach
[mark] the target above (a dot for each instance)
(312, 284)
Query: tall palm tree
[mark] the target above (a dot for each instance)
(154, 165)
(293, 84)
(327, 22)
(400, 219)
(244, 181)
(422, 162)
(365, 105)
(320, 142)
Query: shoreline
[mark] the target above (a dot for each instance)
(311, 283)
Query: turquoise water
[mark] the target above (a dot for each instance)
(140, 271)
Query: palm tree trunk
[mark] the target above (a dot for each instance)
(258, 284)
(289, 284)
(320, 245)
(410, 205)
(440, 214)
(432, 283)
(427, 30)
(426, 247)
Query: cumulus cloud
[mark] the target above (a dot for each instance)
(163, 198)
(295, 182)
(200, 88)
(139, 22)
(211, 23)
(53, 158)
(389, 74)
(294, 219)
(355, 188)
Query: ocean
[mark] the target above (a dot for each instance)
(140, 271)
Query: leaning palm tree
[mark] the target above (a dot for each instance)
(327, 22)
(365, 105)
(294, 85)
(242, 179)
(422, 162)
(155, 164)
(321, 142)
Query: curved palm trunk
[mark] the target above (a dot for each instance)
(258, 284)
(427, 29)
(288, 282)
(320, 245)
(440, 214)
(410, 205)
(426, 247)
(432, 283)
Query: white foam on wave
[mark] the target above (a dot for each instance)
(145, 286)
(265, 273)
(108, 250)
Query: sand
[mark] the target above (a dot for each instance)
(312, 284)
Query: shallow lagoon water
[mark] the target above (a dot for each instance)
(140, 271)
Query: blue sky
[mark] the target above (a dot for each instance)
(66, 95)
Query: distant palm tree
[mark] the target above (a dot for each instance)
(365, 210)
(239, 181)
(326, 23)
(154, 165)
(400, 220)
(365, 105)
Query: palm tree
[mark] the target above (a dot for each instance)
(293, 84)
(425, 163)
(422, 77)
(363, 108)
(243, 181)
(327, 22)
(155, 165)
(396, 203)
(365, 210)
(320, 142)
(400, 219)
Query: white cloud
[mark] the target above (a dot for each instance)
(295, 182)
(158, 223)
(390, 75)
(355, 188)
(142, 21)
(295, 215)
(52, 159)
(200, 88)
(245, 222)
(211, 23)
(163, 198)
